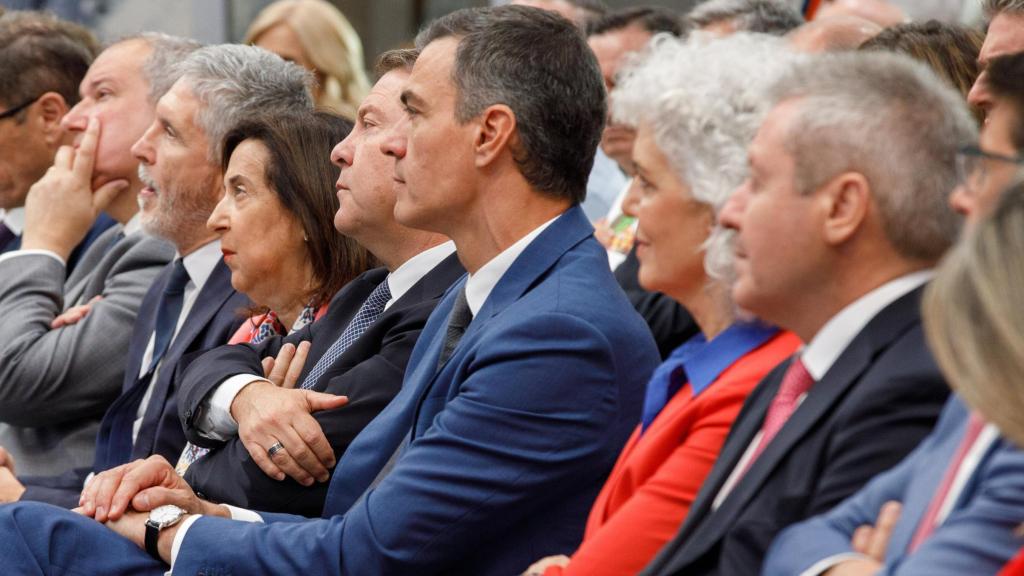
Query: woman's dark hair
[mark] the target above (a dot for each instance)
(300, 172)
(950, 50)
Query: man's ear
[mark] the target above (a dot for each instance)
(495, 133)
(51, 108)
(847, 199)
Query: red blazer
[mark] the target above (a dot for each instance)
(1015, 567)
(657, 476)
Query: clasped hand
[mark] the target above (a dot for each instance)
(268, 413)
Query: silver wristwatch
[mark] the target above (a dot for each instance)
(159, 518)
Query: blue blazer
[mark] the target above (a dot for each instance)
(976, 538)
(499, 455)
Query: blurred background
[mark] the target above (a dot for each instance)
(381, 24)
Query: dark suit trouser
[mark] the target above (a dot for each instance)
(38, 538)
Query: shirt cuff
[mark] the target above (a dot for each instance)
(239, 514)
(824, 565)
(17, 253)
(215, 420)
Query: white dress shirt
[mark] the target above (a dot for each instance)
(478, 287)
(828, 344)
(215, 420)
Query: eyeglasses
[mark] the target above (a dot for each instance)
(973, 165)
(12, 111)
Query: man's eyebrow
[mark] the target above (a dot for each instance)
(409, 97)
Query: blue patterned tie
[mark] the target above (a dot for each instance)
(367, 315)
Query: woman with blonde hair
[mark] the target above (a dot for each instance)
(974, 318)
(317, 36)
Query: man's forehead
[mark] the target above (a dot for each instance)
(120, 61)
(1005, 36)
(177, 102)
(385, 93)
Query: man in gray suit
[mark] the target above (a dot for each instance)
(59, 372)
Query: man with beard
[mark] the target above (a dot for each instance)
(191, 305)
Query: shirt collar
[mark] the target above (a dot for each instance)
(480, 284)
(14, 218)
(833, 338)
(415, 268)
(133, 225)
(200, 263)
(705, 361)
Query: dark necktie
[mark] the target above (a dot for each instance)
(364, 318)
(114, 444)
(6, 236)
(458, 321)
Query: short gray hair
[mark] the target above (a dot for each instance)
(163, 66)
(892, 120)
(235, 82)
(705, 99)
(993, 7)
(774, 17)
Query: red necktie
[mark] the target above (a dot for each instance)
(974, 427)
(795, 383)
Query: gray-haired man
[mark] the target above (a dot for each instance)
(57, 376)
(182, 182)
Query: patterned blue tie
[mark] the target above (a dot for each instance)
(367, 315)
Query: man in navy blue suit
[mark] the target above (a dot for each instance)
(524, 385)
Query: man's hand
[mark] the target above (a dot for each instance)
(74, 314)
(538, 567)
(7, 460)
(142, 485)
(271, 413)
(132, 525)
(62, 206)
(872, 542)
(10, 488)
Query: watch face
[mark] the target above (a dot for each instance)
(166, 513)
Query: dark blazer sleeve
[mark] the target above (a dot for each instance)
(209, 369)
(370, 376)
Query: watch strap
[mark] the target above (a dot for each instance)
(152, 537)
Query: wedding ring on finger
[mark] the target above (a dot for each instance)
(277, 447)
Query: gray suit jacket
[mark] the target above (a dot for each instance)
(56, 384)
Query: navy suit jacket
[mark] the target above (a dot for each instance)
(879, 399)
(977, 537)
(370, 373)
(215, 315)
(502, 450)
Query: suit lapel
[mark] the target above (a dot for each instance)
(145, 324)
(858, 356)
(92, 267)
(215, 292)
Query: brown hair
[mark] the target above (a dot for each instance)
(950, 50)
(301, 174)
(399, 58)
(41, 53)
